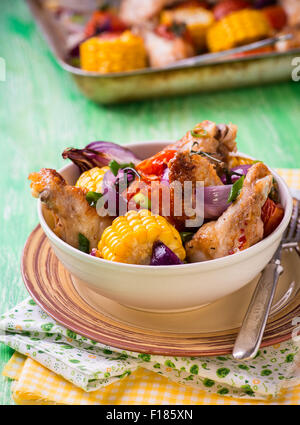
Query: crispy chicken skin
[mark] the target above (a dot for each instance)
(186, 167)
(72, 213)
(240, 226)
(219, 140)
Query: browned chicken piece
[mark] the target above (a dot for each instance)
(163, 51)
(136, 12)
(293, 43)
(186, 167)
(240, 226)
(292, 9)
(218, 140)
(71, 212)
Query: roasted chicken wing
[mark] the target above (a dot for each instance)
(240, 226)
(71, 212)
(207, 136)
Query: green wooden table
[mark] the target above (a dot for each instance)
(42, 112)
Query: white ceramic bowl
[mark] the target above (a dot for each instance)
(166, 288)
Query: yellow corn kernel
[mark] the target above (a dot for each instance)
(92, 179)
(130, 238)
(196, 19)
(124, 52)
(238, 28)
(235, 161)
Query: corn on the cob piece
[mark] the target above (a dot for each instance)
(130, 238)
(116, 53)
(197, 20)
(91, 180)
(235, 161)
(238, 28)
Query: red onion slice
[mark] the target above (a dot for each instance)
(99, 154)
(215, 200)
(162, 255)
(241, 170)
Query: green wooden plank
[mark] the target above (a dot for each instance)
(42, 112)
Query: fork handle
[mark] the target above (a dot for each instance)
(254, 323)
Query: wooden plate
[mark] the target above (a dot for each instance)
(208, 331)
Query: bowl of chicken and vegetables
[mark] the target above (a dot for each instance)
(163, 226)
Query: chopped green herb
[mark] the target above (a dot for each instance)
(115, 166)
(178, 28)
(274, 192)
(77, 19)
(105, 6)
(186, 236)
(142, 200)
(93, 197)
(199, 133)
(236, 189)
(75, 62)
(83, 243)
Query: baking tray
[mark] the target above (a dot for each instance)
(162, 82)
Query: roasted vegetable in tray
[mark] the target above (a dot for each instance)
(156, 33)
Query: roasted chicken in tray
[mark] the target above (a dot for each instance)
(130, 210)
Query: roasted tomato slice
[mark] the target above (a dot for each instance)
(271, 215)
(104, 21)
(276, 16)
(224, 7)
(153, 168)
(192, 3)
(164, 31)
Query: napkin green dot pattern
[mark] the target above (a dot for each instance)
(91, 365)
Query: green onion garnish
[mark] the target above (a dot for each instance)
(236, 189)
(186, 236)
(83, 243)
(142, 200)
(199, 133)
(115, 166)
(93, 197)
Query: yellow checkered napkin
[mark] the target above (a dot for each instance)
(34, 384)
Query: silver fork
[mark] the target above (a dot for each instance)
(254, 323)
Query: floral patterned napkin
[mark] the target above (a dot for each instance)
(91, 365)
